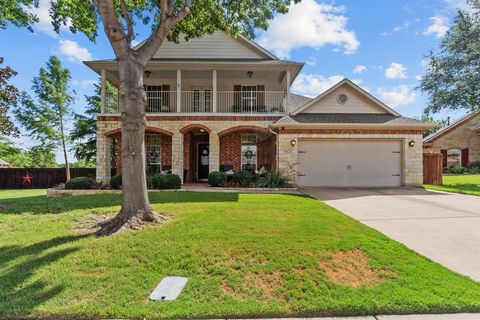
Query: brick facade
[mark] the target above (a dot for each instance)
(225, 149)
(230, 149)
(460, 137)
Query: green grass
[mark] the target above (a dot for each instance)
(221, 241)
(467, 184)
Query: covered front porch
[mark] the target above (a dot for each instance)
(193, 151)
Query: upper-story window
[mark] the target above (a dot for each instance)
(158, 98)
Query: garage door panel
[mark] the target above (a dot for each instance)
(344, 163)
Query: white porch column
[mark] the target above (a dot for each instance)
(214, 91)
(177, 154)
(214, 148)
(103, 99)
(288, 91)
(179, 90)
(104, 158)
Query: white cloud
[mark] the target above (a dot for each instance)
(359, 69)
(418, 77)
(438, 27)
(397, 96)
(44, 23)
(309, 24)
(73, 51)
(454, 5)
(311, 85)
(311, 61)
(396, 71)
(399, 28)
(84, 84)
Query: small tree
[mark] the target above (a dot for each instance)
(84, 132)
(452, 80)
(35, 157)
(8, 98)
(428, 118)
(169, 19)
(45, 119)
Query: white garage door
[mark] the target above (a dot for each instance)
(350, 163)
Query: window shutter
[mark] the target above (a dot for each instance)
(444, 157)
(260, 97)
(166, 95)
(237, 98)
(465, 160)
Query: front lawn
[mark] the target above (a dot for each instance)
(467, 184)
(247, 255)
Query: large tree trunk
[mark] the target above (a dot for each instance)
(136, 208)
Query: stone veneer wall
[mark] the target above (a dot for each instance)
(461, 137)
(413, 158)
(174, 124)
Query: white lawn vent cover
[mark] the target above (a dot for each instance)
(169, 288)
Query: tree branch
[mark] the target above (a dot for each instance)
(113, 28)
(166, 25)
(128, 21)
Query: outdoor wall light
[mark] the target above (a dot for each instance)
(250, 74)
(293, 142)
(411, 143)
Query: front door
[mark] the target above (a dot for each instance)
(202, 161)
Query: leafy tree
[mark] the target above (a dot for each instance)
(45, 119)
(428, 118)
(8, 98)
(13, 11)
(83, 164)
(84, 133)
(169, 19)
(452, 80)
(7, 148)
(35, 157)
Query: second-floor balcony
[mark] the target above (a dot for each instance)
(206, 101)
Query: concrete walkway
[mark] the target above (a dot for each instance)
(444, 227)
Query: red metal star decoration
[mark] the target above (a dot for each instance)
(27, 179)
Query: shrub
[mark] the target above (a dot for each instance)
(164, 181)
(80, 183)
(217, 178)
(457, 170)
(274, 179)
(116, 182)
(243, 178)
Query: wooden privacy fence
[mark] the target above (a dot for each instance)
(432, 168)
(17, 178)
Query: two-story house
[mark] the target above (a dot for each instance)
(219, 103)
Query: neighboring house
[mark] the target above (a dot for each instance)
(4, 164)
(458, 142)
(218, 103)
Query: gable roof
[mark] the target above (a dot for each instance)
(434, 136)
(219, 45)
(346, 81)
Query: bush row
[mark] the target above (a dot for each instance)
(156, 181)
(244, 179)
(472, 168)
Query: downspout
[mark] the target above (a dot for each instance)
(276, 146)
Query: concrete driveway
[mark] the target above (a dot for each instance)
(444, 227)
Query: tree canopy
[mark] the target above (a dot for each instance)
(452, 80)
(44, 117)
(8, 98)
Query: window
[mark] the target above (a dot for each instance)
(249, 97)
(249, 157)
(454, 157)
(249, 138)
(153, 150)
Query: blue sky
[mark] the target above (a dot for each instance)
(379, 44)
